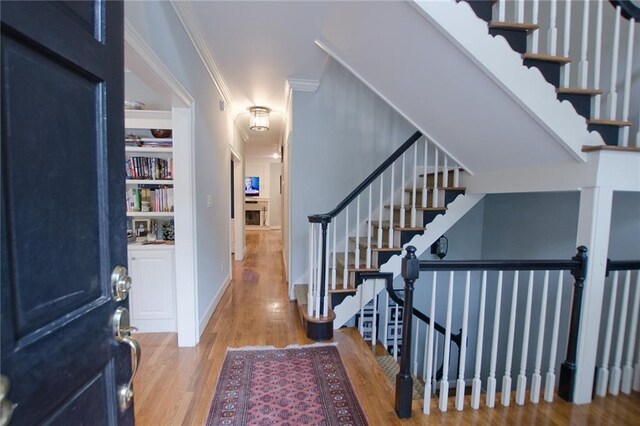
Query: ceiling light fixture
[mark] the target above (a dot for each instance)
(259, 119)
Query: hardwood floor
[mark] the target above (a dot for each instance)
(175, 386)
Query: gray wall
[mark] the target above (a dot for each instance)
(340, 134)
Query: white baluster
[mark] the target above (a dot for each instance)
(444, 382)
(434, 382)
(583, 66)
(391, 208)
(403, 212)
(506, 379)
(345, 268)
(627, 84)
(463, 345)
(476, 386)
(325, 296)
(369, 230)
(381, 210)
(550, 381)
(415, 182)
(612, 97)
(627, 371)
(491, 381)
(597, 58)
(395, 332)
(456, 177)
(434, 198)
(425, 173)
(361, 324)
(415, 346)
(638, 134)
(334, 274)
(616, 371)
(536, 379)
(311, 275)
(502, 10)
(428, 378)
(318, 271)
(520, 11)
(636, 367)
(521, 386)
(356, 261)
(374, 325)
(566, 69)
(387, 314)
(552, 33)
(536, 35)
(602, 376)
(445, 172)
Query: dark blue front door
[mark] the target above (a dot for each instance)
(63, 220)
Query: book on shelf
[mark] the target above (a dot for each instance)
(149, 168)
(155, 198)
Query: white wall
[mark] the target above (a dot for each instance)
(159, 26)
(340, 134)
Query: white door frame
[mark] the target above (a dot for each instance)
(140, 57)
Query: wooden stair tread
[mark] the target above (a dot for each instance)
(451, 172)
(342, 289)
(592, 148)
(385, 225)
(300, 290)
(374, 241)
(440, 188)
(546, 58)
(422, 209)
(578, 91)
(617, 123)
(502, 25)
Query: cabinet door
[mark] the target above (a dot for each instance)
(153, 293)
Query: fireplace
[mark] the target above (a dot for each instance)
(252, 217)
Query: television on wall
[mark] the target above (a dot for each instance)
(252, 186)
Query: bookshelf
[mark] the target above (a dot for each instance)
(150, 210)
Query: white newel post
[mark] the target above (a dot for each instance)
(594, 221)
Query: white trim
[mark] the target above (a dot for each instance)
(303, 84)
(214, 303)
(185, 220)
(324, 45)
(275, 228)
(191, 27)
(136, 42)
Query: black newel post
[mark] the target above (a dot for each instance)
(404, 382)
(323, 278)
(568, 368)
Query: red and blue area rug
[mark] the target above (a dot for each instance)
(304, 385)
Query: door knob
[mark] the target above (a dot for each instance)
(122, 331)
(120, 283)
(6, 406)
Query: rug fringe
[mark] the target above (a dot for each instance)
(273, 348)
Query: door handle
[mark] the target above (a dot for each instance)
(122, 331)
(120, 283)
(6, 406)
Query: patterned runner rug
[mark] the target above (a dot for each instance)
(292, 386)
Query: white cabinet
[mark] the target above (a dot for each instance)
(152, 300)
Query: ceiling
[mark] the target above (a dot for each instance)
(256, 46)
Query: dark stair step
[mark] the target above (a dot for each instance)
(317, 329)
(579, 98)
(608, 129)
(548, 65)
(514, 33)
(482, 8)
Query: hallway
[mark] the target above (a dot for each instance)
(175, 386)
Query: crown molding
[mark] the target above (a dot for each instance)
(190, 25)
(137, 43)
(303, 84)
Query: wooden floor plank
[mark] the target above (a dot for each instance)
(175, 386)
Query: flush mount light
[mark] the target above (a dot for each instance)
(259, 119)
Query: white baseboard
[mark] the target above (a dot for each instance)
(214, 303)
(275, 227)
(164, 325)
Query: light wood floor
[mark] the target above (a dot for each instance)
(175, 386)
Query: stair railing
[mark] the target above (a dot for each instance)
(599, 38)
(396, 341)
(621, 312)
(518, 322)
(382, 201)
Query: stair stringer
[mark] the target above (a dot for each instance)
(458, 22)
(369, 288)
